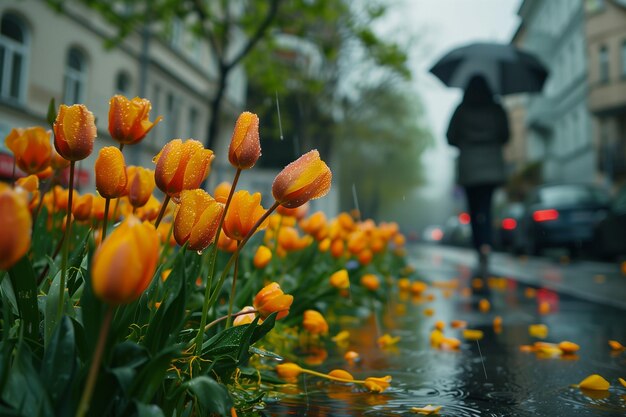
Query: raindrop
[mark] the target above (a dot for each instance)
(280, 123)
(356, 200)
(199, 252)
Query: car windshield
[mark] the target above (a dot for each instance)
(571, 194)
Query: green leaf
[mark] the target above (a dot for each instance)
(148, 410)
(24, 285)
(51, 306)
(126, 359)
(212, 397)
(59, 361)
(24, 390)
(151, 376)
(51, 116)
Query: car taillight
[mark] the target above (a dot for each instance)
(464, 218)
(509, 224)
(545, 215)
(436, 234)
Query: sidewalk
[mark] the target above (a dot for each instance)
(597, 282)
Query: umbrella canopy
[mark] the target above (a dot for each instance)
(507, 69)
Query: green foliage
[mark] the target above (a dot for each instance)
(382, 141)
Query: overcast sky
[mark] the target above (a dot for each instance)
(439, 26)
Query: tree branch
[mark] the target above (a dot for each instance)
(257, 35)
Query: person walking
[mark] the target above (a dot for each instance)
(479, 128)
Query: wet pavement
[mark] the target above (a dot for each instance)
(492, 377)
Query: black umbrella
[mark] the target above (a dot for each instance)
(506, 68)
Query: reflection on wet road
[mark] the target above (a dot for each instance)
(504, 382)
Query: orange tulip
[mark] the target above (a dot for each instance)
(140, 185)
(245, 210)
(110, 168)
(340, 279)
(226, 244)
(377, 384)
(262, 257)
(289, 240)
(305, 179)
(245, 145)
(74, 132)
(182, 166)
(129, 119)
(337, 248)
(125, 262)
(82, 208)
(29, 187)
(31, 148)
(298, 213)
(57, 162)
(221, 192)
(245, 318)
(315, 225)
(370, 281)
(197, 219)
(150, 210)
(272, 299)
(314, 322)
(288, 370)
(16, 224)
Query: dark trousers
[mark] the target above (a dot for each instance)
(479, 202)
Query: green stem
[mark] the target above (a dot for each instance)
(232, 290)
(66, 243)
(332, 378)
(209, 283)
(218, 287)
(162, 211)
(107, 203)
(85, 399)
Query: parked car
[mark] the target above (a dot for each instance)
(609, 239)
(432, 233)
(561, 215)
(457, 231)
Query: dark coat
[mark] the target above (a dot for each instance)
(479, 131)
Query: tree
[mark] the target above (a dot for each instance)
(381, 142)
(233, 30)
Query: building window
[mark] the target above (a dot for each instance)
(603, 61)
(13, 54)
(75, 77)
(623, 59)
(123, 84)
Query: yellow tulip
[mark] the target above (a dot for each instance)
(314, 322)
(129, 119)
(16, 224)
(74, 132)
(305, 179)
(245, 145)
(110, 168)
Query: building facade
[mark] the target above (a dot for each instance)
(46, 54)
(558, 130)
(606, 49)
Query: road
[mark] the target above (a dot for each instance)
(492, 376)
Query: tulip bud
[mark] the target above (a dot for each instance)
(221, 192)
(110, 171)
(245, 318)
(31, 148)
(197, 219)
(16, 224)
(341, 374)
(272, 299)
(140, 185)
(129, 119)
(245, 210)
(288, 370)
(245, 146)
(262, 257)
(370, 281)
(74, 132)
(340, 279)
(82, 207)
(125, 262)
(305, 179)
(182, 166)
(314, 322)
